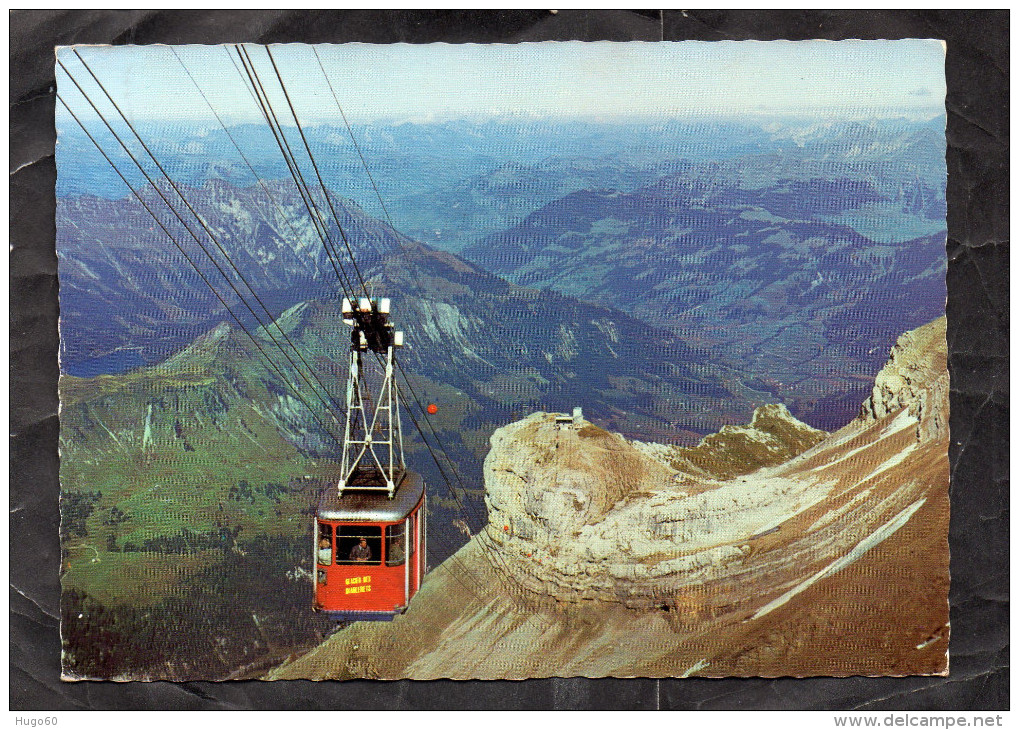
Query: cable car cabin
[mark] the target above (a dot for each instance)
(369, 551)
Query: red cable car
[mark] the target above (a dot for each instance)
(369, 553)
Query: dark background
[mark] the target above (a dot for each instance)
(978, 146)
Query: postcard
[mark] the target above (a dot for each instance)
(503, 361)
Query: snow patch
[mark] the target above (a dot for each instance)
(875, 538)
(695, 668)
(902, 420)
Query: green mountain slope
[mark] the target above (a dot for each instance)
(188, 486)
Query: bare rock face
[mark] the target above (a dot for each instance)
(579, 513)
(544, 481)
(915, 378)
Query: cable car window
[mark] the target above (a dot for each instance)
(413, 530)
(395, 544)
(324, 550)
(358, 545)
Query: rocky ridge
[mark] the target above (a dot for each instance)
(641, 529)
(772, 437)
(906, 382)
(605, 558)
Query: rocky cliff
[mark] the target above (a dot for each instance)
(606, 557)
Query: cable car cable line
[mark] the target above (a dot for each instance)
(261, 182)
(314, 214)
(318, 174)
(385, 210)
(265, 106)
(198, 270)
(331, 401)
(212, 287)
(261, 97)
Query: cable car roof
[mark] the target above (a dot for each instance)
(372, 506)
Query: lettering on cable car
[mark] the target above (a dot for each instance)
(359, 584)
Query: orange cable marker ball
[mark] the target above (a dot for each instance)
(433, 409)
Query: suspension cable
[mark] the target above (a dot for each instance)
(265, 105)
(318, 174)
(258, 179)
(198, 270)
(198, 241)
(350, 131)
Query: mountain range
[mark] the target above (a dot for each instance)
(790, 250)
(669, 295)
(764, 276)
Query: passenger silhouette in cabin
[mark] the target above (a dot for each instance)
(325, 551)
(361, 552)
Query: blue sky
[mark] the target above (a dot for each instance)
(437, 82)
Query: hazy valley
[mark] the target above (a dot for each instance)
(671, 280)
